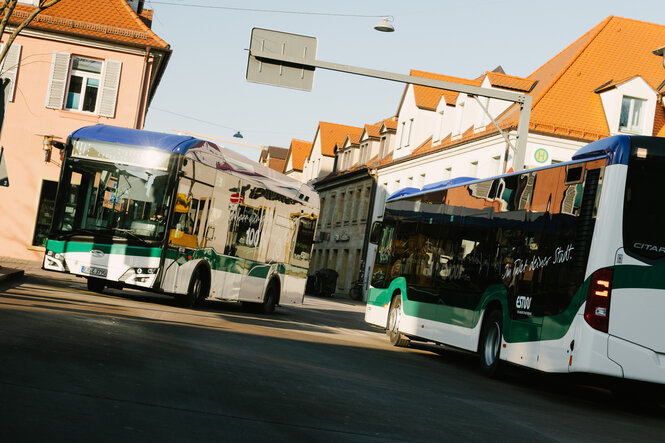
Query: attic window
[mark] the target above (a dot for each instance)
(632, 111)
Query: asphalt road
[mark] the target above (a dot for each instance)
(132, 366)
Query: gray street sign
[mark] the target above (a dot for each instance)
(268, 43)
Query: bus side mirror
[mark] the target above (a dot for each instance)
(375, 234)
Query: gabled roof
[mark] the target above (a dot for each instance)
(565, 89)
(350, 140)
(274, 157)
(429, 98)
(332, 134)
(107, 20)
(298, 152)
(388, 125)
(371, 131)
(617, 48)
(499, 80)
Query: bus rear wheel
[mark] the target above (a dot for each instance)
(394, 319)
(490, 344)
(270, 299)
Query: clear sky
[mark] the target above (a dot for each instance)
(204, 90)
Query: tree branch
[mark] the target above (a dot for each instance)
(11, 4)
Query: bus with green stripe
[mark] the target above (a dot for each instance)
(181, 216)
(560, 268)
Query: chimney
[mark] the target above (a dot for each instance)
(137, 5)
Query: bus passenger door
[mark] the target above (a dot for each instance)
(187, 233)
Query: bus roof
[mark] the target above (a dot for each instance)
(616, 149)
(205, 152)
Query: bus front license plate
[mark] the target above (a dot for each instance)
(91, 270)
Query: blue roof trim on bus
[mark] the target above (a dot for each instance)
(127, 136)
(207, 153)
(448, 183)
(615, 148)
(431, 187)
(402, 193)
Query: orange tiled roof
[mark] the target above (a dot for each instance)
(504, 81)
(616, 49)
(298, 151)
(389, 124)
(372, 131)
(332, 134)
(429, 98)
(565, 90)
(108, 20)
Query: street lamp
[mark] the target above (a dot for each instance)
(385, 25)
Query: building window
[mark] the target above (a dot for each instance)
(401, 136)
(460, 118)
(439, 133)
(83, 84)
(496, 165)
(632, 110)
(382, 148)
(448, 173)
(83, 87)
(473, 170)
(408, 140)
(45, 212)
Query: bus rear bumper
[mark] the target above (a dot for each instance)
(637, 362)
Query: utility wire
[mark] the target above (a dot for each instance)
(273, 11)
(193, 118)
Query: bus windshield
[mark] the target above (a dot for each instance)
(106, 198)
(642, 227)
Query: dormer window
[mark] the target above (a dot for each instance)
(632, 112)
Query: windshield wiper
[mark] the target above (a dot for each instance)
(73, 233)
(128, 233)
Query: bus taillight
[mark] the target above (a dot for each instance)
(597, 310)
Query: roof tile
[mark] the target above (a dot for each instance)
(112, 20)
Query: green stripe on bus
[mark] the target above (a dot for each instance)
(234, 265)
(63, 246)
(639, 277)
(528, 329)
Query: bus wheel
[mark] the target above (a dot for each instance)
(270, 299)
(394, 317)
(490, 344)
(194, 294)
(96, 285)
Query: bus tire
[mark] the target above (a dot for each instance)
(392, 328)
(195, 291)
(490, 344)
(270, 299)
(96, 285)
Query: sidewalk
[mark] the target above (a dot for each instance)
(12, 268)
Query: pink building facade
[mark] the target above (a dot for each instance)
(80, 63)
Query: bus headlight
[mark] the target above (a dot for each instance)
(139, 276)
(55, 262)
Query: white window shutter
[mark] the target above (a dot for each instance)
(110, 84)
(9, 68)
(58, 82)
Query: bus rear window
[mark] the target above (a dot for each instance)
(642, 221)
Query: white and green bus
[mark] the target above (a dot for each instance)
(181, 216)
(559, 269)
